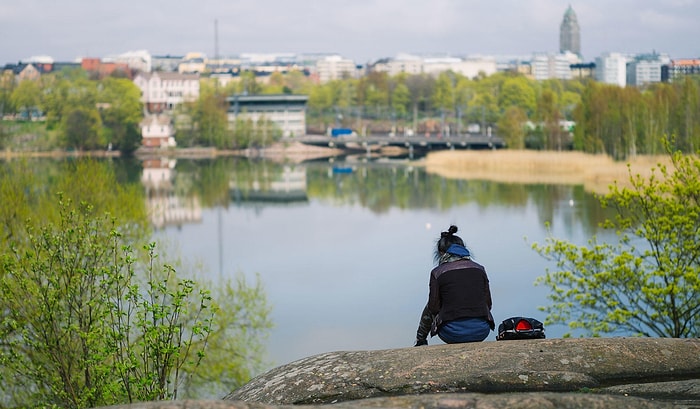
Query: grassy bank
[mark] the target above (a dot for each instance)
(595, 172)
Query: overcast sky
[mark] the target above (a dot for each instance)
(363, 30)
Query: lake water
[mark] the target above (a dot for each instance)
(344, 249)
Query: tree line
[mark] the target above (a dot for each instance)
(528, 114)
(77, 112)
(579, 114)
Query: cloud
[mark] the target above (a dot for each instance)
(362, 29)
(659, 20)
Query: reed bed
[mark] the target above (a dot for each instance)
(595, 172)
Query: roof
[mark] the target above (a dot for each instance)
(686, 62)
(156, 120)
(268, 98)
(166, 75)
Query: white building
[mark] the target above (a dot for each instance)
(136, 60)
(286, 112)
(470, 67)
(553, 66)
(166, 62)
(611, 68)
(403, 63)
(157, 131)
(162, 91)
(646, 69)
(253, 59)
(335, 67)
(39, 59)
(677, 69)
(193, 63)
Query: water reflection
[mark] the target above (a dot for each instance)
(286, 186)
(344, 248)
(164, 207)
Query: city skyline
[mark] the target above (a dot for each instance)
(363, 30)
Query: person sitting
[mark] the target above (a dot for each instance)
(459, 301)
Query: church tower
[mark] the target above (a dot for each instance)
(570, 33)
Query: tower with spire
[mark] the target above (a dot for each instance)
(570, 33)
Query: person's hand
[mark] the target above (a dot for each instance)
(421, 342)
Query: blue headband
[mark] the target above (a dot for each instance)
(458, 250)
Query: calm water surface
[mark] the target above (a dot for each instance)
(344, 249)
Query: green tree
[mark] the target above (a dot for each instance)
(421, 87)
(64, 95)
(689, 115)
(444, 93)
(248, 84)
(297, 82)
(7, 86)
(82, 129)
(275, 84)
(322, 105)
(648, 283)
(519, 92)
(55, 100)
(26, 96)
(549, 116)
(657, 102)
(17, 200)
(235, 349)
(401, 99)
(484, 109)
(373, 93)
(345, 93)
(121, 112)
(210, 119)
(86, 321)
(83, 332)
(511, 127)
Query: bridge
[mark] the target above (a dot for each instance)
(355, 142)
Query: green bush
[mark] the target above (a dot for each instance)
(647, 283)
(85, 320)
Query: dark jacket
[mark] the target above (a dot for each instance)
(459, 289)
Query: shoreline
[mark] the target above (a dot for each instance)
(595, 172)
(8, 154)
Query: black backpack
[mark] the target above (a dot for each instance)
(520, 328)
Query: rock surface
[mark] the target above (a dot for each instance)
(545, 400)
(604, 373)
(655, 371)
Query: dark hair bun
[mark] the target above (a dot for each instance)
(452, 230)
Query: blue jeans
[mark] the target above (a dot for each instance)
(464, 330)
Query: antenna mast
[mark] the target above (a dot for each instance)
(216, 42)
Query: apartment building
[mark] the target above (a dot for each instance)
(163, 91)
(611, 68)
(140, 60)
(403, 63)
(286, 112)
(166, 62)
(646, 69)
(678, 69)
(193, 63)
(470, 67)
(157, 131)
(335, 67)
(553, 66)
